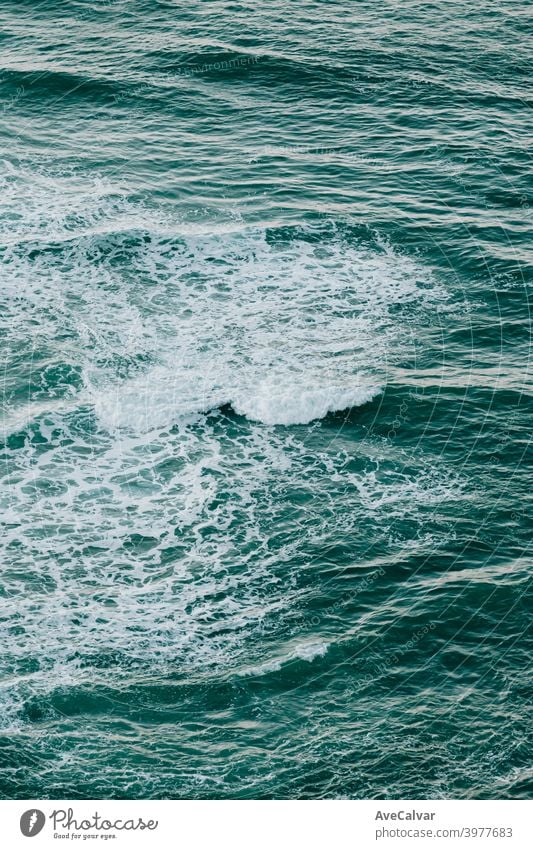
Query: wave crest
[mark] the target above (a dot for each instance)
(286, 324)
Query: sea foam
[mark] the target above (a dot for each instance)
(166, 320)
(141, 534)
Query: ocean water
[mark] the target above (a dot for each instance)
(266, 399)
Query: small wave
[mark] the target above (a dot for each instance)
(300, 405)
(308, 651)
(157, 399)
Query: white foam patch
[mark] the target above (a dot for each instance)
(140, 535)
(166, 322)
(308, 651)
(285, 333)
(160, 399)
(299, 404)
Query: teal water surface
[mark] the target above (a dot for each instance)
(266, 399)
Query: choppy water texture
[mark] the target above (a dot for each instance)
(266, 399)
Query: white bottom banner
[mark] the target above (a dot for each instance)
(256, 824)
